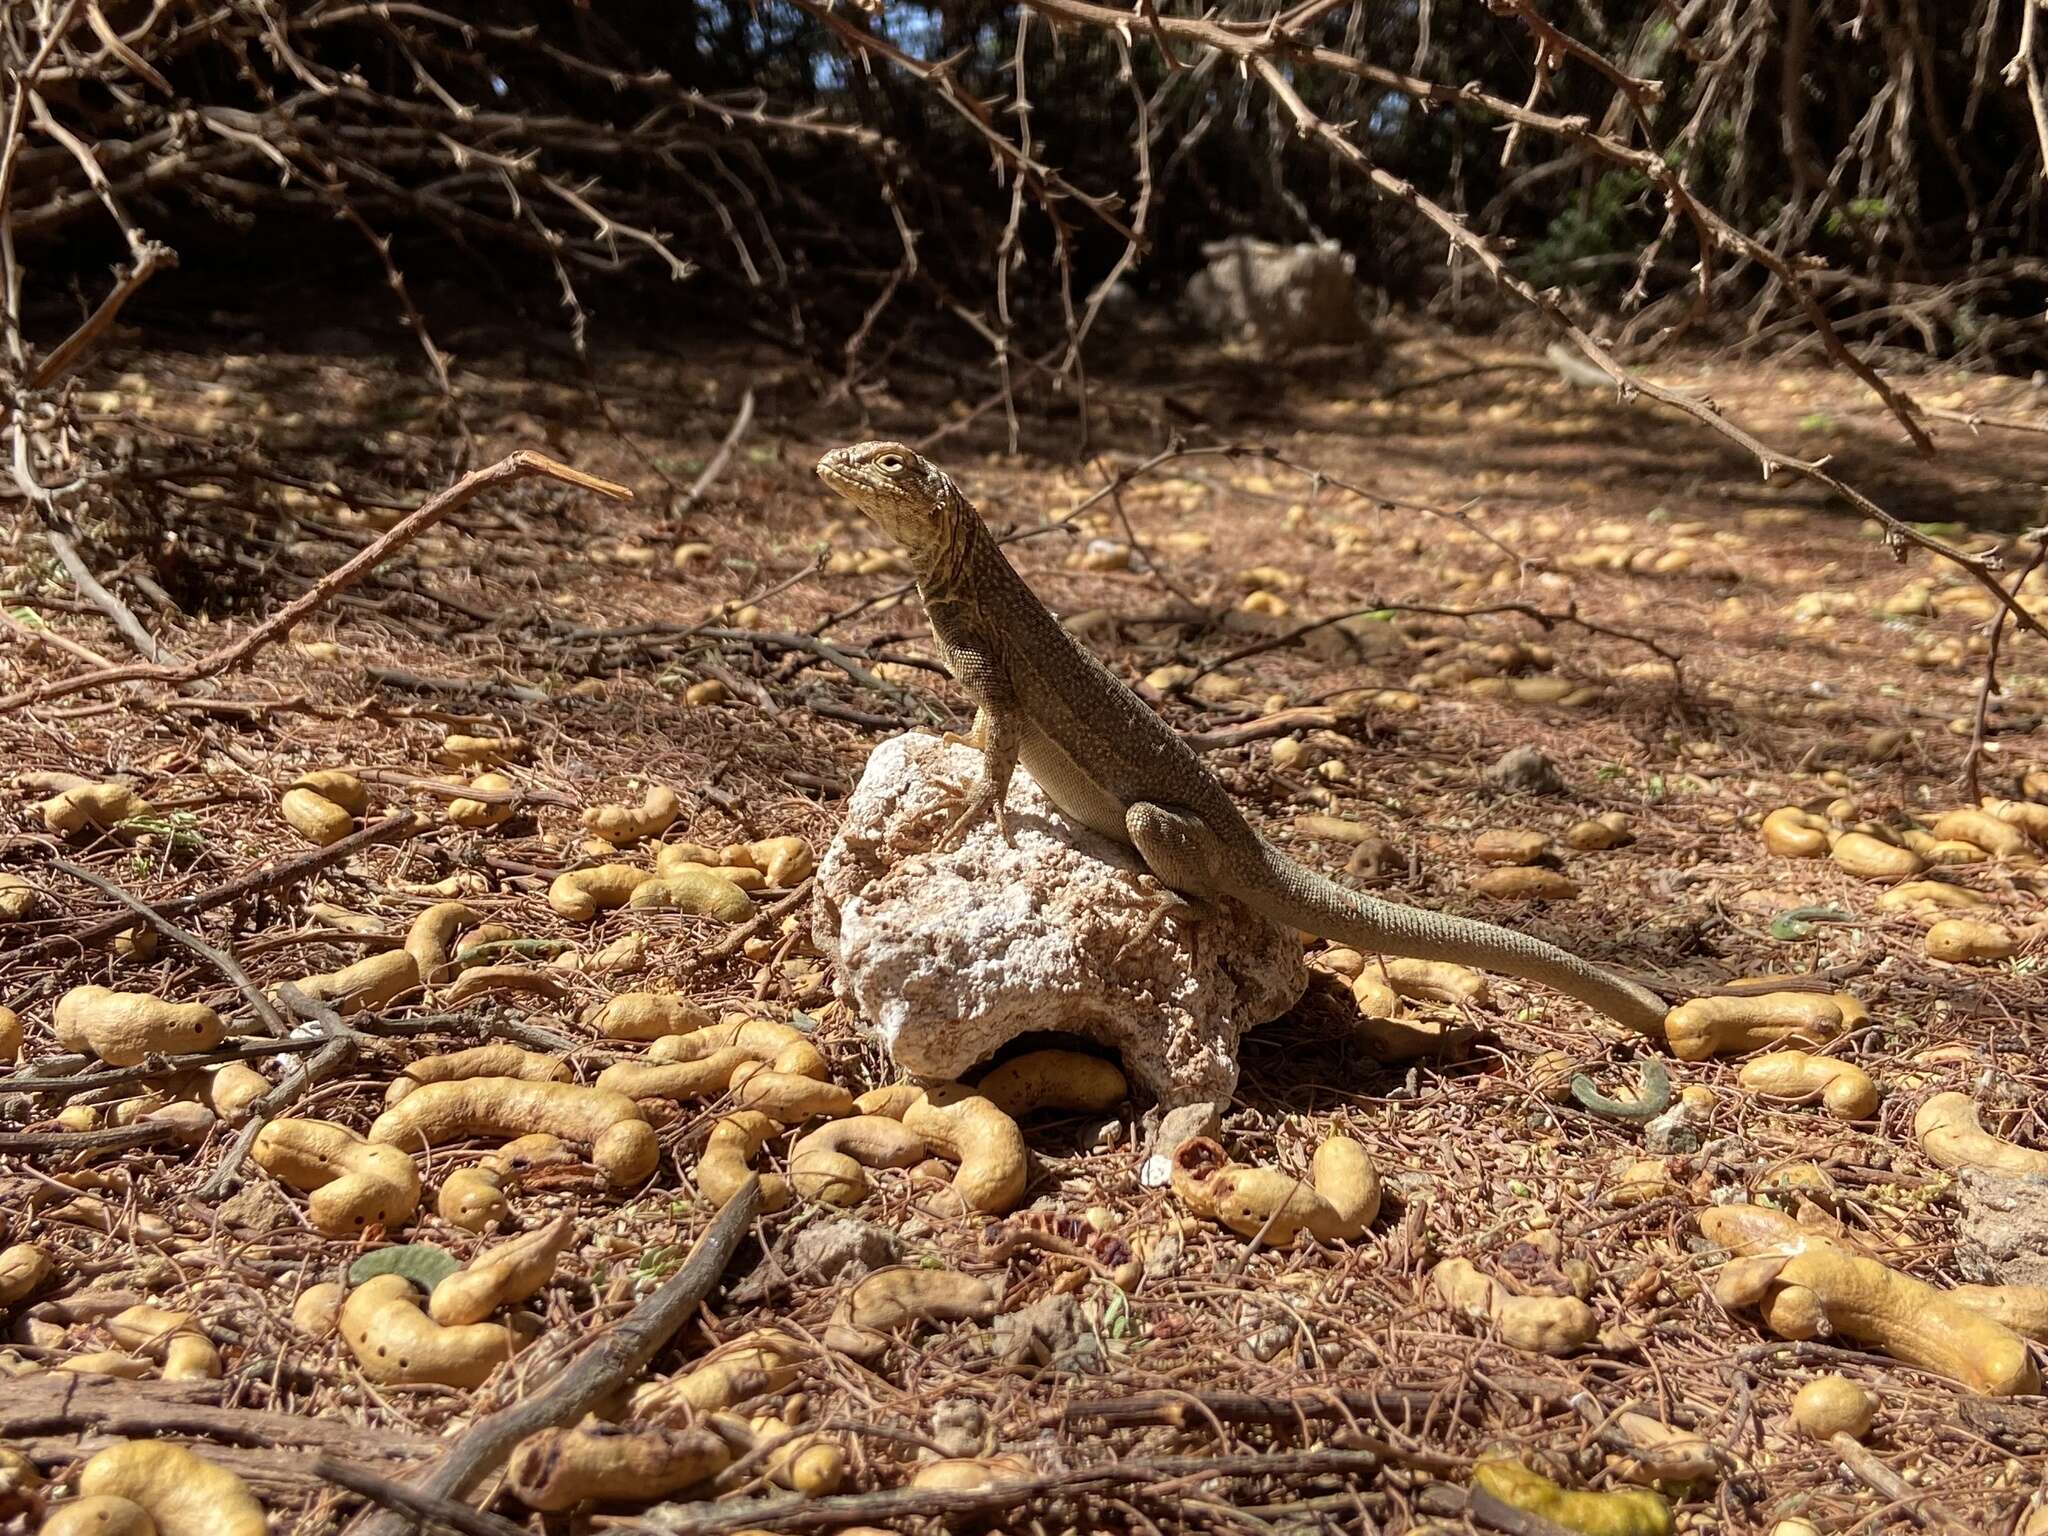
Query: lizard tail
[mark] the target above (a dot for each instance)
(1302, 899)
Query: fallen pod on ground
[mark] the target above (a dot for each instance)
(507, 1272)
(788, 1097)
(183, 1494)
(1545, 1325)
(1834, 1405)
(396, 1342)
(697, 892)
(369, 983)
(1337, 1203)
(1791, 833)
(966, 1129)
(650, 1016)
(315, 817)
(500, 1058)
(971, 1474)
(18, 899)
(831, 1163)
(803, 1462)
(1053, 1079)
(473, 1199)
(1871, 858)
(353, 1183)
(481, 815)
(431, 939)
(172, 1337)
(903, 1296)
(1718, 1026)
(1966, 941)
(92, 807)
(1624, 1512)
(752, 1365)
(1845, 1089)
(23, 1268)
(123, 1028)
(557, 1469)
(581, 894)
(622, 1143)
(1929, 895)
(1806, 1285)
(727, 1160)
(1992, 833)
(623, 824)
(1951, 1136)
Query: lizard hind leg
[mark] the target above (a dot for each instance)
(1181, 854)
(1177, 847)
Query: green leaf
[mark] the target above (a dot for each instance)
(422, 1263)
(1116, 1315)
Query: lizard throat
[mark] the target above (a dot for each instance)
(944, 565)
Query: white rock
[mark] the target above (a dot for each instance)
(946, 959)
(1277, 295)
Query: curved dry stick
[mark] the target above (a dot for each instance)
(273, 1021)
(399, 824)
(518, 465)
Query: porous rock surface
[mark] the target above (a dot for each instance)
(2003, 1236)
(945, 959)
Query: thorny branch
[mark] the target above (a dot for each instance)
(514, 466)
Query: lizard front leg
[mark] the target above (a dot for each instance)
(976, 737)
(998, 732)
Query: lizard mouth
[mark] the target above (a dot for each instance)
(837, 471)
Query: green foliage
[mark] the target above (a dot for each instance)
(1859, 211)
(1599, 227)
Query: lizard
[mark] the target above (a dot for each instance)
(1109, 762)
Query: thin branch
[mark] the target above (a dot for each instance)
(608, 1364)
(272, 1021)
(514, 466)
(741, 420)
(118, 613)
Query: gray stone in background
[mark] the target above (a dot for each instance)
(1277, 295)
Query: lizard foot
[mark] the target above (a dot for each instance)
(1168, 903)
(983, 805)
(943, 813)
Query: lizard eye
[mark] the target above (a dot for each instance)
(890, 464)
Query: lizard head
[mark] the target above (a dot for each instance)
(906, 494)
